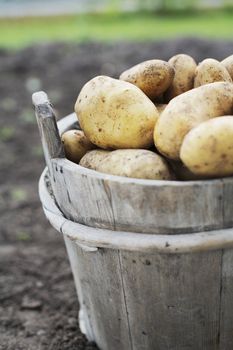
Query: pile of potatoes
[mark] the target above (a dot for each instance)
(159, 120)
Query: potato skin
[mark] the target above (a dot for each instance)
(93, 159)
(135, 163)
(228, 64)
(186, 111)
(208, 149)
(116, 114)
(153, 77)
(210, 71)
(185, 67)
(75, 144)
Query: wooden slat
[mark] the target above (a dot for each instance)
(72, 254)
(81, 198)
(118, 203)
(173, 300)
(103, 296)
(166, 208)
(131, 241)
(226, 325)
(228, 202)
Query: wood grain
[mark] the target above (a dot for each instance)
(226, 310)
(173, 300)
(74, 263)
(227, 199)
(118, 203)
(132, 241)
(100, 275)
(46, 120)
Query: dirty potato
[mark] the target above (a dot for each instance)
(116, 114)
(75, 144)
(136, 163)
(210, 71)
(228, 64)
(152, 77)
(93, 159)
(208, 149)
(187, 111)
(185, 67)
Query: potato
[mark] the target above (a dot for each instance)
(116, 114)
(208, 149)
(210, 71)
(136, 163)
(152, 77)
(185, 68)
(187, 111)
(93, 159)
(160, 107)
(228, 64)
(75, 144)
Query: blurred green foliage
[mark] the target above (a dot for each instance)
(16, 33)
(18, 194)
(159, 5)
(23, 236)
(6, 133)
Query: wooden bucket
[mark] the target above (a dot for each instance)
(152, 260)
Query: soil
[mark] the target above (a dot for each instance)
(38, 303)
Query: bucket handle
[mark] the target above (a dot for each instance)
(47, 124)
(50, 137)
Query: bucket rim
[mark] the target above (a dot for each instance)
(92, 237)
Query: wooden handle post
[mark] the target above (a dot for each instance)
(46, 119)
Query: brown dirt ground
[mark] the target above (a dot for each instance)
(38, 304)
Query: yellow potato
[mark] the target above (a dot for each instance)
(185, 68)
(76, 145)
(228, 64)
(187, 111)
(210, 71)
(208, 149)
(136, 163)
(93, 159)
(152, 77)
(116, 114)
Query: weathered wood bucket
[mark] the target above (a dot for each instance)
(152, 260)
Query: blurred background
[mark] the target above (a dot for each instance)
(57, 46)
